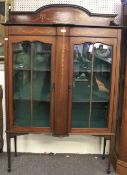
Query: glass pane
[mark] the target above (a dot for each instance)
(101, 85)
(31, 83)
(21, 83)
(41, 82)
(80, 115)
(22, 113)
(41, 114)
(41, 85)
(42, 56)
(99, 115)
(22, 55)
(81, 86)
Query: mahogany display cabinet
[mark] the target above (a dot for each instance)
(62, 72)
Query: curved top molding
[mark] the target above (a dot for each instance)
(60, 14)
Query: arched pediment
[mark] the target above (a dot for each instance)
(61, 14)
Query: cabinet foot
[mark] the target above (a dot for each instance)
(103, 157)
(15, 144)
(9, 151)
(9, 169)
(108, 171)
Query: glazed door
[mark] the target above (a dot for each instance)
(32, 91)
(92, 80)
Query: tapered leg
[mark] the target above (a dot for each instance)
(104, 146)
(9, 151)
(1, 149)
(109, 159)
(15, 144)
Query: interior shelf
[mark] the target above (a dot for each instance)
(21, 69)
(94, 70)
(27, 69)
(42, 69)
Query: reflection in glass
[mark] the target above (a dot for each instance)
(41, 86)
(102, 57)
(81, 85)
(92, 65)
(101, 85)
(42, 60)
(41, 82)
(31, 83)
(82, 57)
(22, 54)
(22, 84)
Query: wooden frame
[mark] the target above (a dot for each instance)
(44, 39)
(114, 83)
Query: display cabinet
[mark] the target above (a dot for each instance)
(62, 72)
